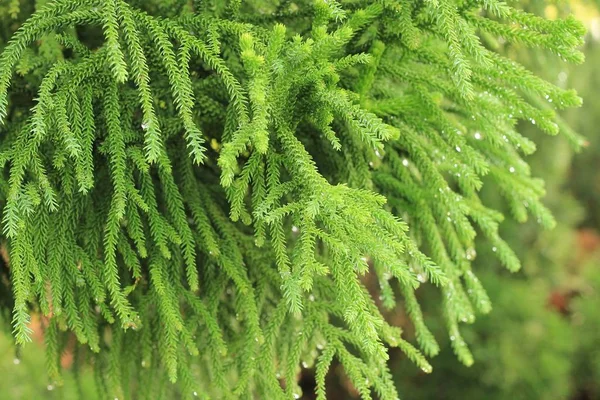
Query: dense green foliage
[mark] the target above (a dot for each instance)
(197, 190)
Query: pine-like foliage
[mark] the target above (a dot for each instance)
(197, 189)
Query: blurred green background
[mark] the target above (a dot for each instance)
(542, 340)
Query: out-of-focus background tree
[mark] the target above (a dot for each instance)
(542, 341)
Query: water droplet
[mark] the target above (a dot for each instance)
(458, 148)
(144, 364)
(17, 361)
(512, 169)
(494, 249)
(304, 364)
(296, 396)
(405, 162)
(311, 297)
(320, 346)
(145, 125)
(195, 394)
(371, 164)
(452, 337)
(477, 136)
(426, 368)
(470, 254)
(295, 229)
(377, 153)
(533, 121)
(421, 278)
(50, 387)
